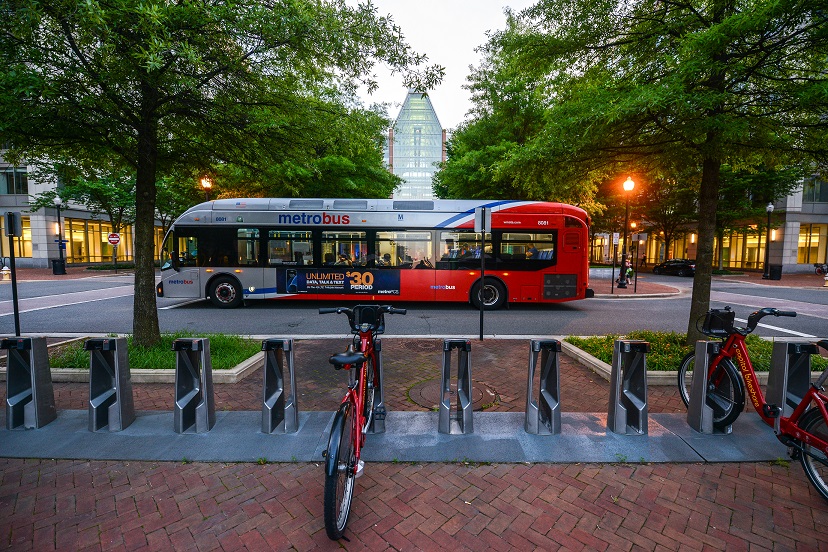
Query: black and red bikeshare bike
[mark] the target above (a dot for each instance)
(353, 419)
(731, 373)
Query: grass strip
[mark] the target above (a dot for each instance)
(667, 349)
(226, 351)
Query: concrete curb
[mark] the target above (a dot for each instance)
(151, 375)
(653, 377)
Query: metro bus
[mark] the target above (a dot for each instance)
(374, 250)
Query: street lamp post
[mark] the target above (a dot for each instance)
(207, 184)
(622, 280)
(60, 267)
(766, 275)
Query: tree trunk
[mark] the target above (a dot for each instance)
(708, 200)
(145, 327)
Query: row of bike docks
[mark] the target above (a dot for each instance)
(30, 402)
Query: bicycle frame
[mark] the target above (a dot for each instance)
(784, 426)
(355, 395)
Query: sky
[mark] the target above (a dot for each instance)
(447, 31)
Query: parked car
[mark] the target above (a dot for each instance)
(679, 267)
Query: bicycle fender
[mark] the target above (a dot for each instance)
(337, 428)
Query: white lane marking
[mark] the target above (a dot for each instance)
(61, 300)
(775, 328)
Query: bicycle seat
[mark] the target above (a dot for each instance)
(339, 360)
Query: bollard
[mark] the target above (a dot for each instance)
(543, 417)
(30, 399)
(458, 421)
(790, 375)
(825, 283)
(194, 403)
(279, 413)
(377, 424)
(628, 387)
(699, 414)
(110, 385)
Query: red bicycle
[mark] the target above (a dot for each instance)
(805, 431)
(353, 418)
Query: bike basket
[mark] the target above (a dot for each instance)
(371, 315)
(718, 322)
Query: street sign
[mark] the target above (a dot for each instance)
(114, 238)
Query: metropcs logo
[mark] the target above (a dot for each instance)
(306, 218)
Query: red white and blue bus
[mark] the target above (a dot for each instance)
(373, 250)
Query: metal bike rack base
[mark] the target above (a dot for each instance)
(699, 415)
(378, 418)
(628, 388)
(110, 386)
(195, 408)
(30, 398)
(790, 374)
(459, 419)
(543, 417)
(279, 412)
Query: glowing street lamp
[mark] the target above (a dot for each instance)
(60, 267)
(628, 187)
(766, 275)
(207, 184)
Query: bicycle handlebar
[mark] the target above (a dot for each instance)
(382, 308)
(333, 310)
(754, 318)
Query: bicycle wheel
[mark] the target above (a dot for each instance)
(685, 377)
(725, 394)
(339, 473)
(370, 386)
(814, 461)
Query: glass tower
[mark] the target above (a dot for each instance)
(416, 143)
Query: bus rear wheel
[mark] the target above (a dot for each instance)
(225, 292)
(493, 295)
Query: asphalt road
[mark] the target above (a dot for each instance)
(104, 305)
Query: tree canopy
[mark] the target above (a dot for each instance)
(648, 84)
(174, 88)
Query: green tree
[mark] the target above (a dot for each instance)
(111, 194)
(172, 88)
(692, 84)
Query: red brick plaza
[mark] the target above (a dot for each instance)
(48, 504)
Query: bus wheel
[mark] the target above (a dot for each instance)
(225, 292)
(493, 295)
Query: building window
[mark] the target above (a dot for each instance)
(14, 180)
(813, 239)
(22, 244)
(815, 190)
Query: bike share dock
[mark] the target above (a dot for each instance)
(544, 432)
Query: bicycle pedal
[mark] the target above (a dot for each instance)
(360, 469)
(379, 413)
(771, 411)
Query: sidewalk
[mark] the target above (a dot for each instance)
(627, 504)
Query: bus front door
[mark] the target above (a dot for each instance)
(184, 284)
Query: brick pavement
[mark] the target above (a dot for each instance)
(76, 505)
